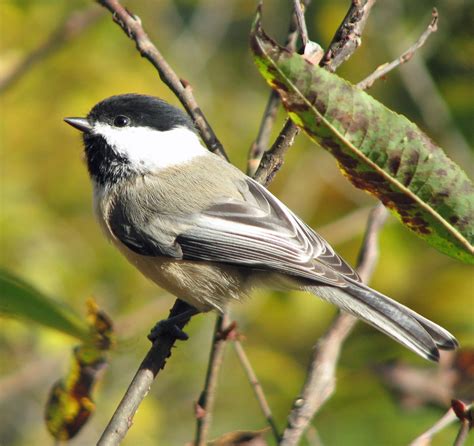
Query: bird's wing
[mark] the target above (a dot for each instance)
(261, 232)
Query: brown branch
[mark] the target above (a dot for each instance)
(272, 159)
(448, 418)
(205, 404)
(298, 8)
(260, 145)
(348, 36)
(464, 413)
(154, 361)
(344, 43)
(261, 142)
(320, 380)
(425, 438)
(463, 433)
(382, 70)
(257, 387)
(132, 26)
(72, 26)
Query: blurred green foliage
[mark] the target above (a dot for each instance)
(49, 237)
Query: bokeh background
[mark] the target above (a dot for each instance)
(49, 237)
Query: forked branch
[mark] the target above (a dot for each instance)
(132, 26)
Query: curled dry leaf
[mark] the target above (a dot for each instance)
(70, 403)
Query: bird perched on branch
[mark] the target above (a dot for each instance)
(201, 229)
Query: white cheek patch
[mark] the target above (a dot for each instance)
(147, 148)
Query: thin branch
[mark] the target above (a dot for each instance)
(425, 438)
(154, 361)
(72, 26)
(464, 413)
(257, 387)
(205, 404)
(348, 36)
(132, 26)
(427, 97)
(260, 145)
(300, 20)
(320, 380)
(382, 70)
(463, 433)
(261, 142)
(448, 418)
(272, 160)
(344, 43)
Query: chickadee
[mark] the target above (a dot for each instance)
(201, 229)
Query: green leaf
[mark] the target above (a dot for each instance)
(20, 300)
(378, 150)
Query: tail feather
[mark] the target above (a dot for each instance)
(390, 317)
(443, 338)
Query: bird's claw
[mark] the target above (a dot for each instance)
(167, 327)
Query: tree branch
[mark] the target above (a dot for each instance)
(344, 43)
(154, 361)
(257, 387)
(205, 404)
(300, 20)
(448, 418)
(272, 159)
(260, 145)
(72, 26)
(463, 412)
(348, 36)
(425, 438)
(382, 70)
(320, 380)
(132, 26)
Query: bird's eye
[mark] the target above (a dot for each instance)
(121, 121)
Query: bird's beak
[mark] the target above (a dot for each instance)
(81, 124)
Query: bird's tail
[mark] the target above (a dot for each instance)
(390, 317)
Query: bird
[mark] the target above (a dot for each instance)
(201, 229)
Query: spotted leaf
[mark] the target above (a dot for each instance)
(378, 150)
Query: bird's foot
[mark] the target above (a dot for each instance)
(173, 326)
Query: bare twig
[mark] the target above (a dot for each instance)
(154, 361)
(263, 137)
(348, 36)
(257, 387)
(132, 26)
(272, 160)
(300, 20)
(463, 433)
(344, 43)
(72, 26)
(448, 418)
(320, 381)
(463, 412)
(205, 404)
(261, 142)
(425, 438)
(426, 96)
(382, 70)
